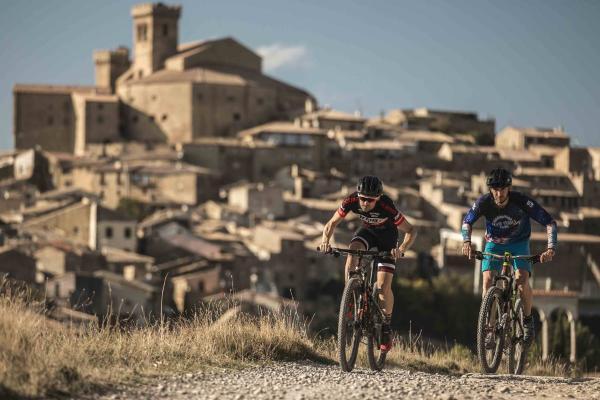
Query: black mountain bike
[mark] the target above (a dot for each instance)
(500, 324)
(360, 314)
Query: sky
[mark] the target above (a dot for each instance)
(524, 63)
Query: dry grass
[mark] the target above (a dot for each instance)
(40, 357)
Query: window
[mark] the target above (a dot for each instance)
(260, 101)
(199, 96)
(142, 32)
(75, 230)
(165, 29)
(100, 119)
(127, 232)
(237, 116)
(231, 99)
(201, 286)
(151, 118)
(134, 119)
(100, 106)
(163, 117)
(108, 232)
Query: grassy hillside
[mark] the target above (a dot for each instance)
(41, 357)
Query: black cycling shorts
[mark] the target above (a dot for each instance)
(381, 240)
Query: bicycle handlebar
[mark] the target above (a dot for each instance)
(336, 252)
(534, 259)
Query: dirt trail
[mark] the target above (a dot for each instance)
(307, 380)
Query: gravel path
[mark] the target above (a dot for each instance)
(309, 380)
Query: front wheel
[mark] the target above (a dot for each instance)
(490, 330)
(350, 324)
(376, 356)
(517, 350)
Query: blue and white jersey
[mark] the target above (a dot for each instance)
(509, 224)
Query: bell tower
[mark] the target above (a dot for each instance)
(155, 36)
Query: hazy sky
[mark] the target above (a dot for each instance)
(526, 63)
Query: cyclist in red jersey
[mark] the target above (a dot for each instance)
(381, 223)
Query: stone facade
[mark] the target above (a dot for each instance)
(169, 92)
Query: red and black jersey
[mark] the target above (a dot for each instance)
(383, 215)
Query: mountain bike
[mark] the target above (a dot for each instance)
(500, 324)
(360, 314)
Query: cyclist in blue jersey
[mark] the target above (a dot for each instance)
(382, 222)
(507, 218)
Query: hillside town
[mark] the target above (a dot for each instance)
(186, 175)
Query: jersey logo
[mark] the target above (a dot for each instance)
(504, 222)
(474, 206)
(372, 221)
(530, 203)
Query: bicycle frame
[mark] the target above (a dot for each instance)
(509, 326)
(367, 273)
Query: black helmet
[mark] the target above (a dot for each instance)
(370, 186)
(499, 178)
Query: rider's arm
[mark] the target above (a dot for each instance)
(467, 226)
(330, 227)
(410, 234)
(540, 215)
(471, 217)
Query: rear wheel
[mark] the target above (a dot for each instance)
(349, 324)
(517, 350)
(376, 357)
(490, 333)
(374, 354)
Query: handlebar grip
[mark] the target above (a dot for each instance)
(478, 255)
(536, 259)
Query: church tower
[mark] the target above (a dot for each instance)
(155, 31)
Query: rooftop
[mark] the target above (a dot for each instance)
(426, 136)
(328, 113)
(58, 89)
(541, 132)
(115, 255)
(532, 171)
(220, 75)
(281, 127)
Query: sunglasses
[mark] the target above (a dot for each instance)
(366, 199)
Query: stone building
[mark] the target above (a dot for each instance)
(168, 92)
(450, 122)
(522, 138)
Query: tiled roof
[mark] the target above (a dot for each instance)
(58, 89)
(224, 75)
(115, 255)
(327, 113)
(282, 127)
(427, 136)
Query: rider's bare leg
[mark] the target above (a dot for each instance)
(525, 291)
(487, 281)
(351, 260)
(386, 296)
